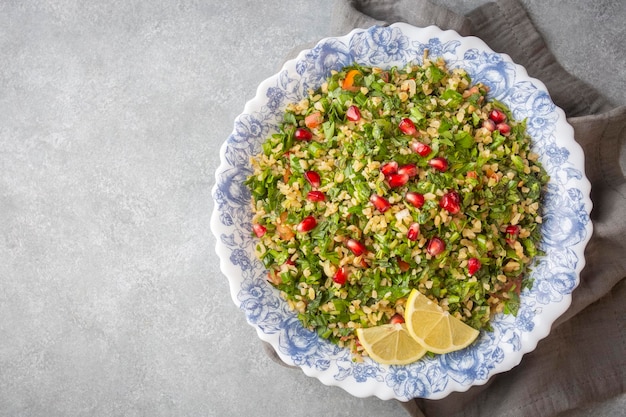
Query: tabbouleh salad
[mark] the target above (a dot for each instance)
(385, 180)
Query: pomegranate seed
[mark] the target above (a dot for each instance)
(490, 125)
(414, 231)
(302, 134)
(408, 169)
(473, 265)
(396, 319)
(313, 178)
(440, 164)
(503, 128)
(380, 203)
(259, 230)
(353, 113)
(407, 127)
(397, 180)
(512, 230)
(435, 246)
(356, 247)
(420, 148)
(307, 224)
(389, 168)
(316, 196)
(497, 116)
(451, 201)
(341, 275)
(511, 233)
(415, 199)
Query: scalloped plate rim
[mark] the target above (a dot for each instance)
(373, 389)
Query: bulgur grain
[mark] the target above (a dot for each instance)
(448, 114)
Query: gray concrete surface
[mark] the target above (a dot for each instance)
(111, 115)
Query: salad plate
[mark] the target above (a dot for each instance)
(565, 232)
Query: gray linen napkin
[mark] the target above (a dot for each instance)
(583, 360)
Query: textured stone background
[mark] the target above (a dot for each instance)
(111, 116)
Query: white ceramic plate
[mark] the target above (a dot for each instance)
(566, 229)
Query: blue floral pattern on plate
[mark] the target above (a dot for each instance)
(567, 226)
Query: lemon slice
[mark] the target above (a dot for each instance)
(434, 328)
(390, 344)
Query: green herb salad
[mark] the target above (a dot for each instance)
(385, 180)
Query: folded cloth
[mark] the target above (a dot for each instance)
(583, 360)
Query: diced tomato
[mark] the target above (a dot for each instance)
(313, 120)
(404, 266)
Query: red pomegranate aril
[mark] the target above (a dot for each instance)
(408, 169)
(307, 224)
(316, 196)
(380, 203)
(421, 148)
(389, 168)
(259, 230)
(490, 125)
(396, 319)
(503, 128)
(473, 265)
(439, 163)
(512, 230)
(353, 113)
(341, 275)
(397, 180)
(435, 246)
(302, 134)
(511, 233)
(415, 199)
(407, 127)
(451, 201)
(413, 232)
(313, 178)
(356, 247)
(497, 116)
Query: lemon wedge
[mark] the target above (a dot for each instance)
(390, 344)
(434, 328)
